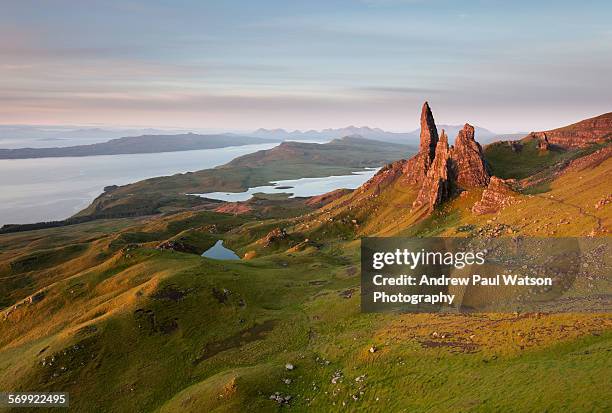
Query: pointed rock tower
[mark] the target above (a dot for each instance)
(437, 170)
(437, 185)
(416, 168)
(469, 166)
(429, 132)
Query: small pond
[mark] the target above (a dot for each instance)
(219, 252)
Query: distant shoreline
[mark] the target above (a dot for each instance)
(145, 144)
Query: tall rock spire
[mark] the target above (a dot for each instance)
(416, 168)
(437, 185)
(469, 165)
(429, 133)
(439, 171)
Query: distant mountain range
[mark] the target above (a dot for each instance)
(484, 135)
(137, 144)
(40, 136)
(88, 140)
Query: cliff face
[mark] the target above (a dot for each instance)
(577, 135)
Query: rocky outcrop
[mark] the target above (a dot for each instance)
(437, 185)
(440, 172)
(415, 169)
(179, 246)
(236, 208)
(498, 195)
(543, 143)
(592, 160)
(387, 175)
(469, 166)
(429, 132)
(437, 170)
(580, 134)
(589, 161)
(277, 234)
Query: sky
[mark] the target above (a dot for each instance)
(239, 65)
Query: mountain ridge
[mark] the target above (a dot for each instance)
(366, 132)
(136, 145)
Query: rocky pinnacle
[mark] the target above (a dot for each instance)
(429, 133)
(437, 185)
(470, 167)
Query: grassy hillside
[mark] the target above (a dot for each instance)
(97, 310)
(290, 160)
(526, 159)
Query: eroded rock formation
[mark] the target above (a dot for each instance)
(442, 172)
(437, 170)
(437, 185)
(580, 134)
(415, 169)
(469, 165)
(277, 234)
(498, 195)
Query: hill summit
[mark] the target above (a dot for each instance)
(577, 135)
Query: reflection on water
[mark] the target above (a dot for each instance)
(219, 252)
(47, 189)
(298, 187)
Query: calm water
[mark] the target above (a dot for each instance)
(33, 190)
(298, 187)
(219, 252)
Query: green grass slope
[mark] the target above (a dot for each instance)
(124, 326)
(289, 160)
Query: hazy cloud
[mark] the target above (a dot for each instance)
(506, 66)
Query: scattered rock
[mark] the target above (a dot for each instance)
(222, 295)
(289, 366)
(273, 236)
(603, 201)
(337, 377)
(347, 293)
(179, 246)
(280, 398)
